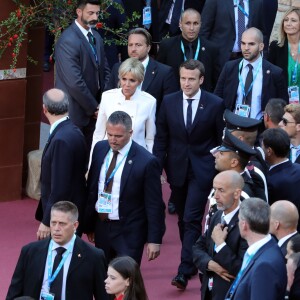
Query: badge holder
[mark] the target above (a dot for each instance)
(147, 16)
(243, 110)
(47, 296)
(293, 94)
(104, 203)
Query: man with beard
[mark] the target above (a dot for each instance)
(247, 84)
(81, 67)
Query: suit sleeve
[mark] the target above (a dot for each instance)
(219, 90)
(150, 127)
(114, 79)
(67, 55)
(281, 86)
(170, 84)
(272, 52)
(220, 124)
(200, 255)
(154, 205)
(208, 17)
(162, 52)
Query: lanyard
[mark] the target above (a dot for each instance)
(245, 94)
(241, 9)
(238, 277)
(197, 50)
(114, 170)
(50, 264)
(294, 73)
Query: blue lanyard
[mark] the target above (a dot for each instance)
(197, 50)
(50, 264)
(238, 277)
(114, 170)
(294, 73)
(241, 9)
(245, 94)
(93, 47)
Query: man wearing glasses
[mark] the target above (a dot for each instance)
(290, 123)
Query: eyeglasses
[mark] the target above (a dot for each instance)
(285, 121)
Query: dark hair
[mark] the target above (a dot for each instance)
(190, 11)
(143, 32)
(275, 109)
(295, 243)
(192, 64)
(56, 102)
(278, 140)
(120, 117)
(243, 160)
(128, 268)
(83, 3)
(66, 207)
(256, 212)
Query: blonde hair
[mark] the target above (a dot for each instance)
(134, 66)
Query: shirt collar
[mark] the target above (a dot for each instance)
(271, 167)
(185, 42)
(282, 240)
(83, 30)
(257, 245)
(66, 246)
(56, 123)
(230, 215)
(196, 97)
(255, 64)
(126, 148)
(145, 62)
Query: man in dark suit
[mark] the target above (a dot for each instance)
(221, 25)
(124, 215)
(159, 78)
(284, 176)
(64, 160)
(263, 272)
(247, 84)
(189, 125)
(188, 45)
(83, 266)
(283, 222)
(290, 123)
(218, 254)
(81, 67)
(274, 112)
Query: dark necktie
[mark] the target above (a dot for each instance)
(249, 80)
(56, 286)
(189, 114)
(223, 222)
(241, 22)
(175, 17)
(190, 52)
(108, 188)
(93, 45)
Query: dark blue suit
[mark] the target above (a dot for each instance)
(273, 85)
(283, 183)
(63, 169)
(141, 208)
(85, 279)
(188, 162)
(265, 276)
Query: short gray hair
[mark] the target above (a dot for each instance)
(256, 213)
(134, 66)
(120, 118)
(56, 102)
(66, 207)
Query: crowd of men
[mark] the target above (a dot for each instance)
(226, 138)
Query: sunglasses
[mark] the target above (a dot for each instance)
(285, 121)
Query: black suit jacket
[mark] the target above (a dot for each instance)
(265, 276)
(85, 278)
(159, 80)
(218, 24)
(170, 53)
(63, 169)
(273, 86)
(230, 257)
(176, 148)
(141, 208)
(283, 246)
(77, 72)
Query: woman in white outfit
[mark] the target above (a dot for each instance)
(140, 105)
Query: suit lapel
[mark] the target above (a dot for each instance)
(149, 75)
(179, 110)
(200, 109)
(78, 257)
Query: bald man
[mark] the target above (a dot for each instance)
(218, 254)
(247, 84)
(283, 222)
(63, 162)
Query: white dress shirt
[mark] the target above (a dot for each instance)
(282, 240)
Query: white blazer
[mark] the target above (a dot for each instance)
(141, 108)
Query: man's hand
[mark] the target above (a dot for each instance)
(215, 267)
(91, 237)
(153, 251)
(43, 232)
(219, 234)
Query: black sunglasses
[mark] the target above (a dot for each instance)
(285, 121)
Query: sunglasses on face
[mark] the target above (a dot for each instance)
(285, 121)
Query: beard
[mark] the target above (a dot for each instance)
(90, 24)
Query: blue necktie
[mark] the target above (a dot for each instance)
(189, 114)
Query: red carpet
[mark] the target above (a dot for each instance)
(19, 227)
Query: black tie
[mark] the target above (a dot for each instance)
(189, 114)
(190, 52)
(56, 285)
(249, 80)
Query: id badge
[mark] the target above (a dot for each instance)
(47, 296)
(146, 15)
(104, 203)
(293, 94)
(210, 283)
(242, 110)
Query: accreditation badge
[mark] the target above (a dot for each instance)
(293, 94)
(147, 15)
(242, 110)
(47, 296)
(104, 203)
